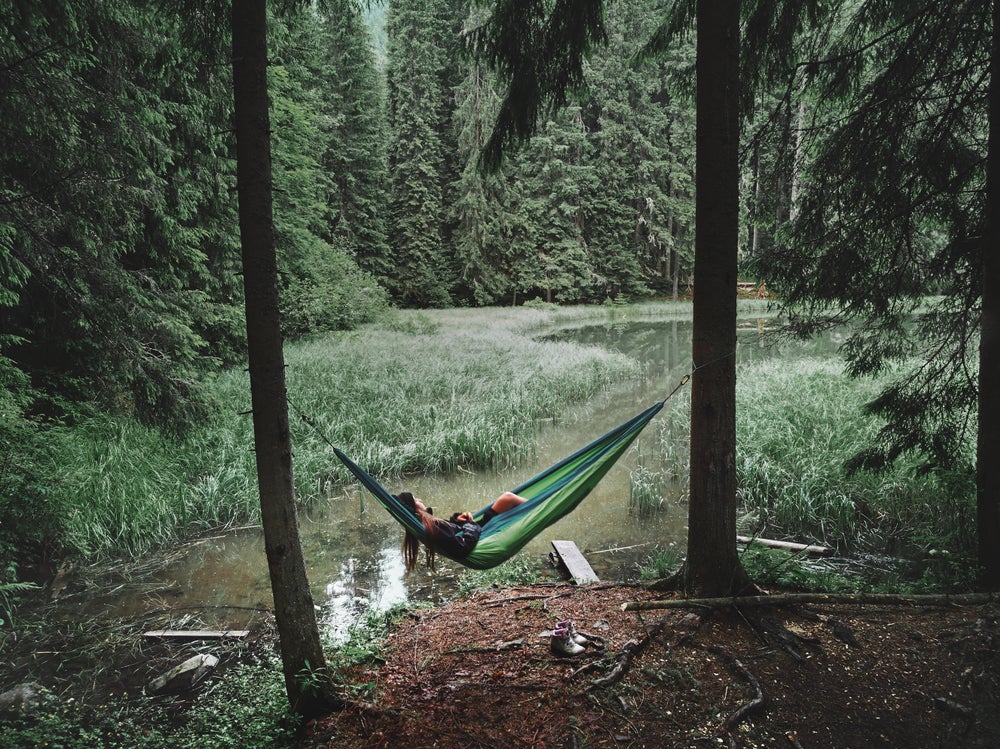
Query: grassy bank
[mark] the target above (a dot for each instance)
(420, 391)
(797, 423)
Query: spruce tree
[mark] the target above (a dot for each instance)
(352, 104)
(891, 207)
(423, 272)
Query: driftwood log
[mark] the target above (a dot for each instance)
(780, 599)
(824, 551)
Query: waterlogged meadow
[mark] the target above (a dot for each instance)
(451, 390)
(798, 422)
(420, 391)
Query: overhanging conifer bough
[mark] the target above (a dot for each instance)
(537, 48)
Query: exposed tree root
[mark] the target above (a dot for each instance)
(756, 704)
(626, 655)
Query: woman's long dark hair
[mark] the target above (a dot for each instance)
(411, 544)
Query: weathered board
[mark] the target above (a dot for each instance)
(577, 565)
(197, 634)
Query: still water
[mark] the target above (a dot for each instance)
(351, 545)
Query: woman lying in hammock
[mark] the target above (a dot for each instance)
(456, 536)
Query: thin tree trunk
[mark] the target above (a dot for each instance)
(988, 447)
(301, 650)
(757, 191)
(713, 566)
(793, 198)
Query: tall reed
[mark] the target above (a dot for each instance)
(797, 424)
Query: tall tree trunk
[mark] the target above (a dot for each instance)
(301, 650)
(713, 566)
(757, 193)
(988, 447)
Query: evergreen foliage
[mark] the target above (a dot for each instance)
(120, 288)
(423, 272)
(889, 208)
(598, 206)
(120, 293)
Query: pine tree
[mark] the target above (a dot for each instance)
(480, 205)
(352, 103)
(102, 242)
(322, 287)
(641, 140)
(423, 273)
(891, 207)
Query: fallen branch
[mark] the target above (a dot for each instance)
(824, 551)
(779, 599)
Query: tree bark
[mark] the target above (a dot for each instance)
(713, 566)
(301, 650)
(988, 445)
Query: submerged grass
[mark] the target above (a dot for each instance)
(420, 391)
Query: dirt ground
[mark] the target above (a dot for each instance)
(479, 673)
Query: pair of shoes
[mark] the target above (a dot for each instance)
(565, 640)
(576, 636)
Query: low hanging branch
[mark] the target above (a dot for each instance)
(860, 599)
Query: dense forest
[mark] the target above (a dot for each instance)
(120, 289)
(120, 280)
(441, 154)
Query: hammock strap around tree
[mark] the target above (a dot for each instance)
(551, 495)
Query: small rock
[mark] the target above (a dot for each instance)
(183, 676)
(23, 698)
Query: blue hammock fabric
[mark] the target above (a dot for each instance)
(550, 495)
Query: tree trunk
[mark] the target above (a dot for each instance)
(988, 446)
(301, 651)
(757, 194)
(797, 158)
(713, 567)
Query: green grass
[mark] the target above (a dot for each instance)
(797, 423)
(247, 707)
(420, 391)
(517, 571)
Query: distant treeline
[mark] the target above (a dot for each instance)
(119, 253)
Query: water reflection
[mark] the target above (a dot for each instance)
(351, 544)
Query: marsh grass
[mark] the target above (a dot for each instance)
(420, 391)
(516, 571)
(661, 564)
(797, 423)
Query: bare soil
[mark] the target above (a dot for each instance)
(479, 672)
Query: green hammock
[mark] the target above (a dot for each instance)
(552, 494)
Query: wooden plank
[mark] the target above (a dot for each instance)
(197, 634)
(579, 568)
(789, 545)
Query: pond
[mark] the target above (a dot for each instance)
(351, 545)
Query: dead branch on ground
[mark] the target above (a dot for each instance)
(779, 599)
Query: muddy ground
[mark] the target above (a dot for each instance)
(479, 672)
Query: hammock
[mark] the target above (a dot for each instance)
(551, 495)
